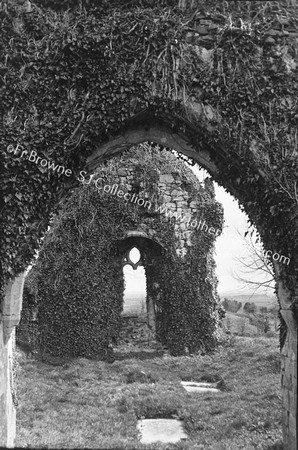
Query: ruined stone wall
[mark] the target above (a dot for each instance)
(289, 383)
(171, 195)
(9, 318)
(201, 35)
(166, 204)
(7, 410)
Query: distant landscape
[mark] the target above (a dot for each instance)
(135, 303)
(137, 299)
(258, 299)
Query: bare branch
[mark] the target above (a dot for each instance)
(255, 263)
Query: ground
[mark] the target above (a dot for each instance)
(82, 403)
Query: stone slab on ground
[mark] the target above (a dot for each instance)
(193, 386)
(163, 430)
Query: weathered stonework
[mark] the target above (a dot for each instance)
(7, 409)
(159, 195)
(289, 380)
(12, 306)
(136, 330)
(9, 318)
(169, 199)
(202, 38)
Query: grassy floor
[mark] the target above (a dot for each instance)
(94, 404)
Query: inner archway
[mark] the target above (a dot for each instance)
(134, 297)
(140, 320)
(134, 320)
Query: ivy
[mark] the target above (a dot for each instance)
(73, 76)
(77, 282)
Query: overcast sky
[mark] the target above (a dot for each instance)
(229, 249)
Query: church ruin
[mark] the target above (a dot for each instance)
(173, 220)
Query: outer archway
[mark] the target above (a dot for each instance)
(229, 70)
(285, 295)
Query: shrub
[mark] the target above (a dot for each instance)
(231, 305)
(250, 307)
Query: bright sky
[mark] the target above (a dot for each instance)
(229, 248)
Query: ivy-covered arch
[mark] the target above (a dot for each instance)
(79, 284)
(73, 80)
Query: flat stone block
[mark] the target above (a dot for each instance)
(285, 418)
(292, 422)
(192, 386)
(161, 430)
(202, 30)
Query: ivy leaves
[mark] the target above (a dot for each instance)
(73, 79)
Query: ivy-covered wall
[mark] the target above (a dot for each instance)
(221, 75)
(77, 283)
(224, 74)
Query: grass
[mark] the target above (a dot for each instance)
(93, 404)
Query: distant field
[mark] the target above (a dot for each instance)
(135, 303)
(259, 300)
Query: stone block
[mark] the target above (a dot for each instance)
(292, 422)
(286, 399)
(201, 29)
(177, 192)
(162, 187)
(167, 198)
(209, 112)
(166, 178)
(177, 199)
(181, 204)
(288, 379)
(292, 441)
(294, 396)
(189, 37)
(7, 410)
(12, 305)
(172, 206)
(285, 418)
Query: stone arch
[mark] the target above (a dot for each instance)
(152, 253)
(286, 282)
(152, 129)
(161, 177)
(287, 293)
(239, 162)
(211, 162)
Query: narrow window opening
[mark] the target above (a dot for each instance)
(135, 284)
